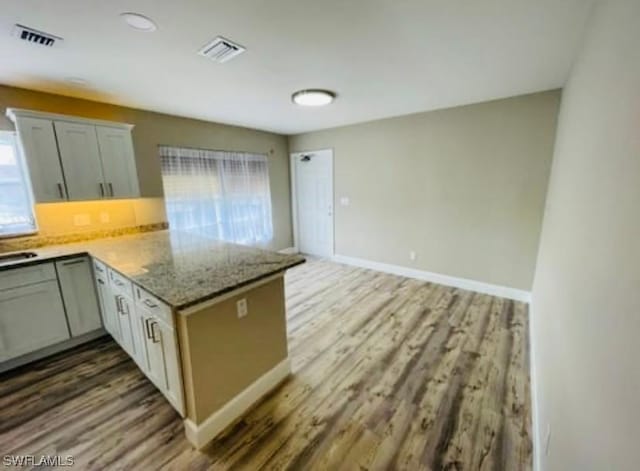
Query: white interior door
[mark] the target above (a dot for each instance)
(313, 186)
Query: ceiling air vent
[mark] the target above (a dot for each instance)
(221, 50)
(34, 36)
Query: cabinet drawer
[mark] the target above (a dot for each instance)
(120, 283)
(99, 268)
(27, 275)
(153, 305)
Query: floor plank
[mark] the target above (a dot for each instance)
(388, 373)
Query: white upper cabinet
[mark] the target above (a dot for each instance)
(118, 162)
(80, 158)
(38, 142)
(76, 159)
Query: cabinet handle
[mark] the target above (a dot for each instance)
(149, 303)
(146, 327)
(73, 262)
(111, 188)
(60, 190)
(101, 189)
(100, 281)
(99, 269)
(120, 305)
(118, 282)
(153, 332)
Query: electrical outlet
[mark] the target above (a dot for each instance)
(412, 256)
(547, 440)
(81, 220)
(344, 201)
(241, 307)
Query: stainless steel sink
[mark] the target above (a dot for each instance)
(16, 257)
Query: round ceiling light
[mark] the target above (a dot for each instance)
(139, 22)
(313, 97)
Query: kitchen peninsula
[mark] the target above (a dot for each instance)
(203, 319)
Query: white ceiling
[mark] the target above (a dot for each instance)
(383, 57)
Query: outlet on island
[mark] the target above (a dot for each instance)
(241, 307)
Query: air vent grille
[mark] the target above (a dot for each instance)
(221, 50)
(34, 36)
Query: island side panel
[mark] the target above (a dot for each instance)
(222, 354)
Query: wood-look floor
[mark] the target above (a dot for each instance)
(388, 373)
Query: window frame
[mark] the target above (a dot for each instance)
(217, 157)
(26, 179)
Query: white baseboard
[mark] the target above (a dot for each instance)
(200, 435)
(289, 250)
(463, 283)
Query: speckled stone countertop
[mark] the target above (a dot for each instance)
(181, 269)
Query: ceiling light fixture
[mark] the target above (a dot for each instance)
(139, 22)
(313, 97)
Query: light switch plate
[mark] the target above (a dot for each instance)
(241, 307)
(344, 201)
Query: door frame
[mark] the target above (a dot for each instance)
(294, 197)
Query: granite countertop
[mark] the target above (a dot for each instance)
(179, 268)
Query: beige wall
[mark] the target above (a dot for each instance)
(152, 129)
(222, 355)
(586, 299)
(464, 187)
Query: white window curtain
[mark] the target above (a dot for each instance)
(218, 194)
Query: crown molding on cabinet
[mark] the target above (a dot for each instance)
(13, 113)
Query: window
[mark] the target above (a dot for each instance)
(16, 206)
(223, 195)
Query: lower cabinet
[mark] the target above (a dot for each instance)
(107, 306)
(163, 369)
(79, 295)
(130, 328)
(31, 318)
(45, 308)
(123, 308)
(143, 326)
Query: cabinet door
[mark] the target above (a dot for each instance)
(138, 336)
(123, 307)
(31, 317)
(108, 307)
(165, 335)
(118, 162)
(130, 329)
(38, 143)
(80, 158)
(154, 353)
(79, 295)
